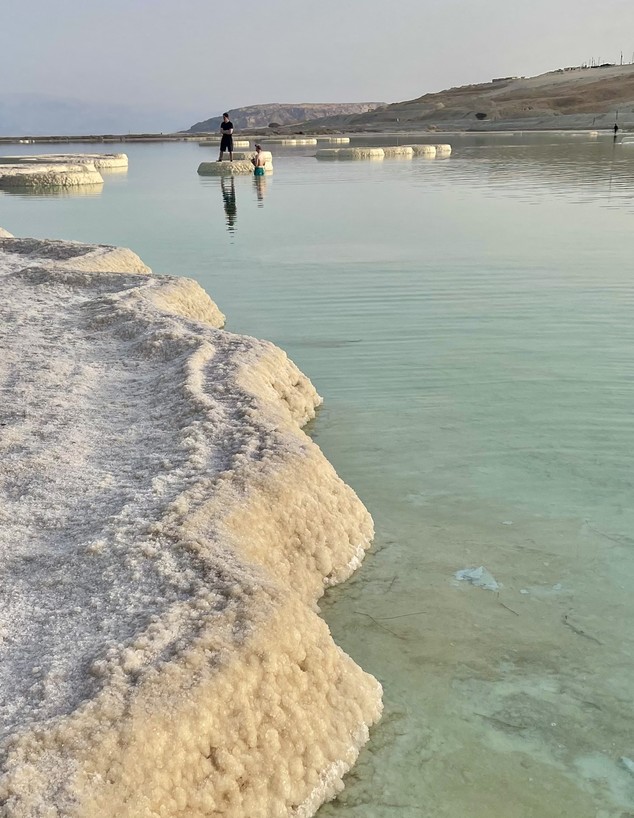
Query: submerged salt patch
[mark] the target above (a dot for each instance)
(627, 763)
(480, 577)
(168, 529)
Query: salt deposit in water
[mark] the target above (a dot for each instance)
(54, 175)
(480, 577)
(167, 530)
(402, 151)
(350, 153)
(424, 150)
(246, 155)
(102, 161)
(235, 168)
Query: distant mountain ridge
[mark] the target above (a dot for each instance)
(260, 116)
(576, 97)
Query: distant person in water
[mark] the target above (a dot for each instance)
(616, 129)
(258, 161)
(226, 139)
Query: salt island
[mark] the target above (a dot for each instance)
(167, 531)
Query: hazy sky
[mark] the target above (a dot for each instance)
(208, 55)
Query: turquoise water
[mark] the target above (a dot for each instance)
(470, 324)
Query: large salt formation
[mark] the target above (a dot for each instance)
(58, 170)
(239, 167)
(101, 161)
(167, 530)
(41, 176)
(350, 153)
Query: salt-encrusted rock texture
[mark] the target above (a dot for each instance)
(350, 153)
(167, 529)
(226, 168)
(101, 161)
(38, 175)
(307, 141)
(423, 150)
(398, 151)
(248, 155)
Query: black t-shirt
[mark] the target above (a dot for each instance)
(226, 126)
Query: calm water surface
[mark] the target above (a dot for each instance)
(470, 324)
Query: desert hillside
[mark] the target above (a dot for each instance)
(261, 116)
(568, 98)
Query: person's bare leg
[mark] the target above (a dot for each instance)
(231, 156)
(219, 159)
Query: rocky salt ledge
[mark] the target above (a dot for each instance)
(167, 529)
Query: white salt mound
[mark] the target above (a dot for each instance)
(307, 141)
(424, 150)
(42, 176)
(101, 161)
(405, 151)
(248, 155)
(350, 153)
(166, 531)
(227, 168)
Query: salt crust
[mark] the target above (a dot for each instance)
(405, 151)
(40, 175)
(102, 161)
(167, 530)
(228, 168)
(248, 155)
(423, 150)
(308, 141)
(350, 153)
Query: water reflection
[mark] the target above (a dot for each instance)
(259, 182)
(586, 171)
(113, 171)
(228, 188)
(73, 191)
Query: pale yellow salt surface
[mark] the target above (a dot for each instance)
(167, 530)
(350, 153)
(242, 155)
(303, 141)
(424, 150)
(41, 175)
(398, 151)
(226, 168)
(102, 161)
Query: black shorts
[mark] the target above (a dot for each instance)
(226, 143)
